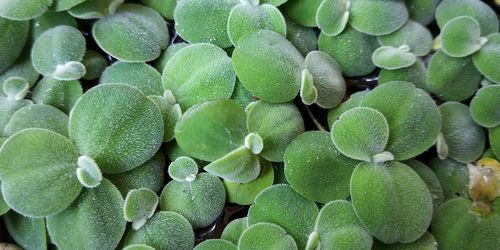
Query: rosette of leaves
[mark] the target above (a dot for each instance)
(281, 205)
(351, 49)
(370, 17)
(164, 230)
(15, 89)
(461, 138)
(15, 35)
(315, 168)
(60, 94)
(52, 170)
(199, 197)
(90, 9)
(127, 25)
(57, 53)
(268, 65)
(24, 9)
(247, 17)
(198, 73)
(205, 21)
(401, 48)
(460, 224)
(220, 132)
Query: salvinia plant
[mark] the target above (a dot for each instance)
(249, 124)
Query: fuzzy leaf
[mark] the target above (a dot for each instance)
(60, 94)
(245, 193)
(7, 108)
(216, 244)
(164, 7)
(170, 111)
(453, 177)
(302, 12)
(379, 17)
(14, 36)
(38, 116)
(332, 16)
(50, 20)
(30, 233)
(266, 236)
(23, 9)
(140, 205)
(415, 74)
(239, 165)
(354, 101)
(430, 179)
(94, 64)
(234, 229)
(449, 9)
(422, 11)
(486, 59)
(303, 38)
(91, 9)
(485, 106)
(416, 36)
(391, 58)
(139, 75)
(461, 37)
(183, 169)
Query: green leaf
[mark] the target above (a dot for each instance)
(199, 73)
(167, 54)
(422, 11)
(174, 230)
(316, 169)
(60, 94)
(302, 12)
(7, 108)
(61, 5)
(281, 205)
(140, 205)
(14, 36)
(339, 228)
(94, 64)
(57, 53)
(361, 133)
(239, 165)
(485, 106)
(246, 18)
(430, 179)
(23, 9)
(427, 241)
(277, 124)
(308, 93)
(201, 200)
(273, 2)
(494, 137)
(22, 68)
(164, 7)
(465, 139)
(379, 17)
(50, 20)
(139, 75)
(457, 226)
(391, 58)
(215, 244)
(212, 129)
(354, 101)
(461, 37)
(452, 79)
(136, 44)
(88, 173)
(38, 116)
(138, 247)
(234, 229)
(38, 172)
(268, 65)
(449, 9)
(96, 214)
(303, 38)
(30, 233)
(4, 207)
(327, 79)
(332, 16)
(241, 95)
(352, 50)
(170, 111)
(416, 74)
(204, 22)
(245, 193)
(413, 117)
(183, 169)
(107, 124)
(486, 59)
(416, 36)
(266, 236)
(391, 201)
(16, 88)
(453, 177)
(90, 9)
(144, 176)
(254, 143)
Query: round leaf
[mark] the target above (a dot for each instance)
(332, 16)
(422, 11)
(50, 20)
(107, 124)
(60, 94)
(240, 165)
(22, 68)
(97, 214)
(30, 233)
(486, 59)
(416, 36)
(413, 117)
(354, 101)
(165, 230)
(391, 58)
(268, 65)
(246, 18)
(204, 22)
(200, 201)
(23, 9)
(183, 169)
(61, 5)
(465, 139)
(352, 50)
(449, 9)
(142, 33)
(379, 17)
(281, 205)
(266, 236)
(452, 79)
(215, 244)
(199, 73)
(167, 54)
(391, 201)
(416, 74)
(57, 53)
(303, 38)
(234, 229)
(245, 193)
(164, 7)
(14, 36)
(139, 75)
(140, 205)
(90, 9)
(94, 64)
(38, 172)
(316, 169)
(427, 241)
(485, 106)
(302, 12)
(461, 37)
(361, 133)
(38, 116)
(430, 179)
(212, 129)
(7, 108)
(277, 124)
